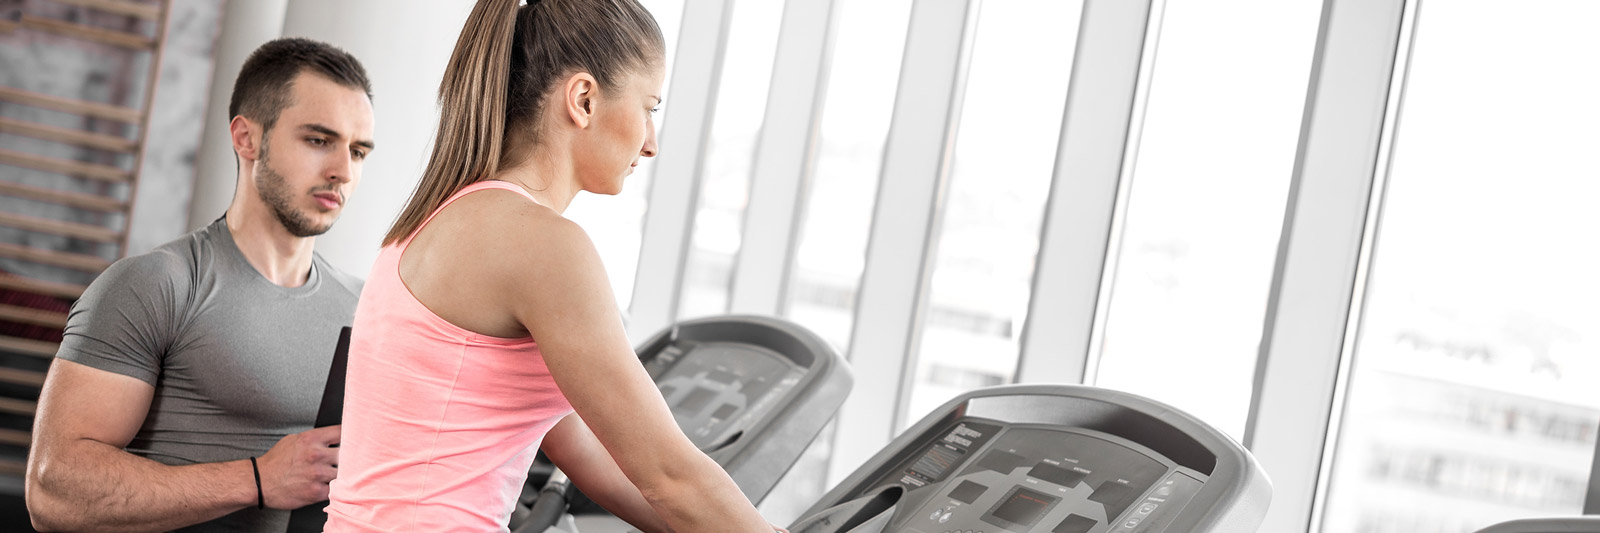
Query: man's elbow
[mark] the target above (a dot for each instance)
(45, 510)
(40, 522)
(42, 515)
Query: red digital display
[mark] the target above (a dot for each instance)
(1024, 507)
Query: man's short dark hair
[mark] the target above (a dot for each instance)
(262, 89)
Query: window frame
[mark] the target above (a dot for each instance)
(781, 174)
(1324, 256)
(674, 192)
(1089, 189)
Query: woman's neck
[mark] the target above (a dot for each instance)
(549, 179)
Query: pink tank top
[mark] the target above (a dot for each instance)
(440, 423)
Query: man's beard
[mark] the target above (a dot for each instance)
(274, 191)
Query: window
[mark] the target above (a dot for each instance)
(1206, 206)
(869, 38)
(1471, 399)
(616, 223)
(1010, 123)
(863, 74)
(725, 179)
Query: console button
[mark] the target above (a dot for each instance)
(1075, 524)
(1001, 461)
(1055, 474)
(1115, 496)
(968, 491)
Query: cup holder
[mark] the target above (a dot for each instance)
(867, 514)
(719, 446)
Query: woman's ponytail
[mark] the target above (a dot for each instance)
(506, 59)
(472, 113)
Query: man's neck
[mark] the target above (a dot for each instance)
(281, 257)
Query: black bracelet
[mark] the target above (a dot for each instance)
(261, 499)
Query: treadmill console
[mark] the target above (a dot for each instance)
(718, 389)
(1050, 459)
(992, 476)
(751, 392)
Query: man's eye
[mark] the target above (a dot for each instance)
(316, 141)
(358, 154)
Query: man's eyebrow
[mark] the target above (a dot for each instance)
(318, 128)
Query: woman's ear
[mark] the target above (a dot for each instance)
(580, 97)
(245, 141)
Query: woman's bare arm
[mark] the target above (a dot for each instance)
(575, 450)
(557, 288)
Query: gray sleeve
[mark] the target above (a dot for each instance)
(128, 317)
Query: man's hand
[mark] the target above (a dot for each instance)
(296, 471)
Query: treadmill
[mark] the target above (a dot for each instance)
(1050, 459)
(752, 392)
(1576, 524)
(1589, 523)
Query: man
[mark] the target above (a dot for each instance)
(187, 372)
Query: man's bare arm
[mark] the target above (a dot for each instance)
(80, 478)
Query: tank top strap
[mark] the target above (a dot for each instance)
(469, 189)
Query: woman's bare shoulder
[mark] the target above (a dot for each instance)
(509, 232)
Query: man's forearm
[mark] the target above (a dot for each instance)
(89, 485)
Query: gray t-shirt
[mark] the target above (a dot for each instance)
(237, 362)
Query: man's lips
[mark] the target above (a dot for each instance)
(329, 200)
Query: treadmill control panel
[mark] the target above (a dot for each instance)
(994, 477)
(722, 389)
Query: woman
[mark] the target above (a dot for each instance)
(487, 324)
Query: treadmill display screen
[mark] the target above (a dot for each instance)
(1023, 507)
(1039, 479)
(716, 390)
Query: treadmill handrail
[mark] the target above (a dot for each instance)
(1591, 504)
(1589, 524)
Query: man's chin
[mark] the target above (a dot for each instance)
(311, 230)
(322, 228)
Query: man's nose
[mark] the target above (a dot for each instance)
(339, 169)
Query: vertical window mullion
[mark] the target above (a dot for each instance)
(675, 186)
(792, 111)
(1099, 139)
(1324, 250)
(914, 176)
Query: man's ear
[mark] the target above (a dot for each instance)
(579, 96)
(246, 141)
